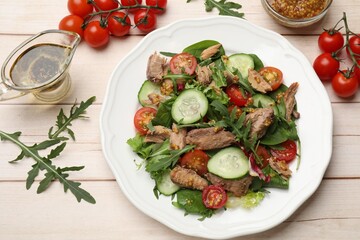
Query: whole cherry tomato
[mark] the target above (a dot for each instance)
(157, 3)
(354, 44)
(106, 5)
(330, 41)
(80, 8)
(345, 84)
(357, 71)
(95, 35)
(119, 24)
(326, 66)
(237, 96)
(131, 3)
(72, 23)
(145, 21)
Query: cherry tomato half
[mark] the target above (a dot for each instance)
(196, 160)
(183, 63)
(273, 76)
(145, 21)
(326, 66)
(287, 152)
(142, 118)
(95, 35)
(72, 23)
(131, 3)
(119, 24)
(157, 3)
(354, 44)
(214, 197)
(264, 155)
(106, 5)
(330, 41)
(237, 96)
(345, 84)
(80, 8)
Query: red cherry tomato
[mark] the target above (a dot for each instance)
(72, 23)
(357, 71)
(287, 152)
(345, 84)
(330, 41)
(183, 63)
(326, 66)
(196, 160)
(145, 21)
(214, 197)
(237, 96)
(80, 8)
(106, 5)
(264, 155)
(157, 3)
(119, 24)
(142, 118)
(273, 76)
(95, 35)
(354, 44)
(131, 3)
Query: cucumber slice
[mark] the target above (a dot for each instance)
(165, 185)
(229, 163)
(261, 100)
(147, 88)
(241, 61)
(189, 107)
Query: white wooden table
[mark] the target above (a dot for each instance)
(333, 212)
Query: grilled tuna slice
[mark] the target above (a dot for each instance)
(210, 138)
(188, 178)
(290, 101)
(258, 82)
(159, 134)
(238, 187)
(260, 120)
(156, 68)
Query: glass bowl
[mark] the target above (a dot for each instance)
(295, 22)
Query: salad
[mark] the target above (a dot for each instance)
(215, 131)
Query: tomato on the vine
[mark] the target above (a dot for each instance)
(119, 24)
(330, 41)
(354, 44)
(80, 8)
(183, 63)
(287, 152)
(72, 23)
(345, 83)
(131, 3)
(326, 66)
(145, 21)
(157, 3)
(105, 5)
(96, 35)
(237, 96)
(273, 76)
(214, 196)
(196, 160)
(142, 118)
(357, 71)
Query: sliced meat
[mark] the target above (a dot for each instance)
(260, 120)
(210, 51)
(177, 137)
(238, 187)
(188, 178)
(280, 167)
(210, 138)
(290, 101)
(159, 134)
(156, 68)
(258, 82)
(203, 75)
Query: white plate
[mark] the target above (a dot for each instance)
(236, 35)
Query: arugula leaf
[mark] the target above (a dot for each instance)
(44, 163)
(224, 7)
